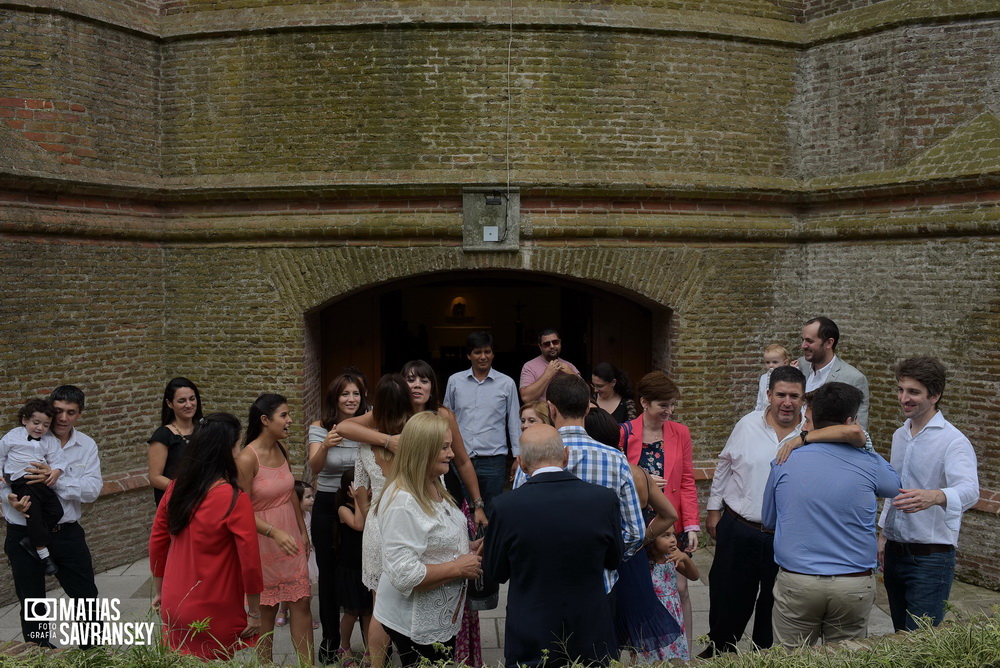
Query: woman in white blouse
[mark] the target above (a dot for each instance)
(426, 554)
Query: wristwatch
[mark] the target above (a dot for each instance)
(478, 503)
(803, 435)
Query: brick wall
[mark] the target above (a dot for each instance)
(772, 9)
(91, 314)
(876, 102)
(819, 9)
(436, 100)
(83, 97)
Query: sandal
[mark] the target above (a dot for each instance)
(282, 618)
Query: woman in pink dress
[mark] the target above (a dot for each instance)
(267, 476)
(203, 548)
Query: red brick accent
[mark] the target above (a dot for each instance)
(38, 121)
(124, 482)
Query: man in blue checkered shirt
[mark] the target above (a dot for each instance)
(569, 400)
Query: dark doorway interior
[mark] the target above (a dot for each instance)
(429, 317)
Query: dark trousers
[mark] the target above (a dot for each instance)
(68, 548)
(491, 472)
(917, 585)
(324, 523)
(46, 511)
(410, 653)
(741, 584)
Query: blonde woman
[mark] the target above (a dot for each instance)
(426, 557)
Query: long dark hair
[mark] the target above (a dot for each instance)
(264, 406)
(422, 369)
(207, 459)
(346, 480)
(331, 412)
(609, 372)
(341, 498)
(392, 404)
(166, 412)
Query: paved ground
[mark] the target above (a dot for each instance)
(131, 584)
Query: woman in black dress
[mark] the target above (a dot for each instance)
(613, 391)
(180, 410)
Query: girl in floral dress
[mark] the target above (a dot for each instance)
(665, 562)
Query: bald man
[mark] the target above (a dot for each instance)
(553, 538)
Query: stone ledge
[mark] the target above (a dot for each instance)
(422, 184)
(417, 221)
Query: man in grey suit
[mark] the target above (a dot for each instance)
(820, 364)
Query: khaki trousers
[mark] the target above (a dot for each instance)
(827, 608)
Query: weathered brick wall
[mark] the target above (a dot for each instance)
(436, 100)
(89, 314)
(772, 9)
(818, 9)
(82, 97)
(877, 101)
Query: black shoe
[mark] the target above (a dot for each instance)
(327, 652)
(26, 544)
(50, 566)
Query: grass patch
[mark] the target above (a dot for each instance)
(972, 643)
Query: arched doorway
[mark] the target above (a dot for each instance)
(429, 317)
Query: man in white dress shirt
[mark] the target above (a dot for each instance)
(80, 483)
(937, 467)
(743, 571)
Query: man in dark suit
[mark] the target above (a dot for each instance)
(552, 538)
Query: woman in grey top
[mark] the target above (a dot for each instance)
(330, 454)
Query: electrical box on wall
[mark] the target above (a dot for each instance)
(491, 218)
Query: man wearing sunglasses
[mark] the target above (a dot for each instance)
(537, 373)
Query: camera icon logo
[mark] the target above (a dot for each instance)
(40, 609)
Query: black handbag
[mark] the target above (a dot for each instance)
(483, 592)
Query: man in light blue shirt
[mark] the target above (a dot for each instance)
(486, 405)
(822, 505)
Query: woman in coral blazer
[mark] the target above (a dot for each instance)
(662, 447)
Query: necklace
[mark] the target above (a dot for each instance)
(184, 437)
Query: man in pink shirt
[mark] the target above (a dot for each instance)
(537, 373)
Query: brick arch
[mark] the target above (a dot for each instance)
(720, 317)
(609, 306)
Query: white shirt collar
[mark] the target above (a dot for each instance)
(547, 469)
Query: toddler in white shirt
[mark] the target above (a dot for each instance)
(24, 448)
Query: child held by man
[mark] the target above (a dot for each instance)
(22, 451)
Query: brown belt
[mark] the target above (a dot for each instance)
(860, 574)
(754, 525)
(918, 549)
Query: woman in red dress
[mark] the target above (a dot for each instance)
(203, 548)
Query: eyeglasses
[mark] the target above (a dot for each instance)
(549, 344)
